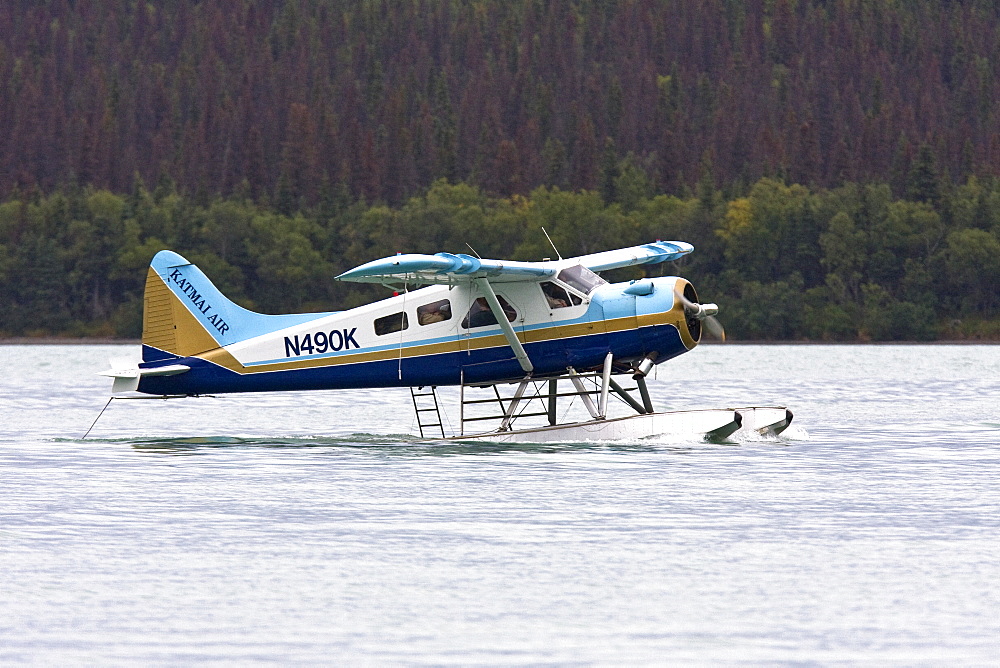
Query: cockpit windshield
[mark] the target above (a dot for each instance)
(580, 278)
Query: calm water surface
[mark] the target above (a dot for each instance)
(310, 528)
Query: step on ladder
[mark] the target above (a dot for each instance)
(426, 412)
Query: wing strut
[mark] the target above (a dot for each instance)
(508, 331)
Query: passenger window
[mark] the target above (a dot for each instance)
(580, 278)
(558, 296)
(391, 323)
(434, 312)
(480, 314)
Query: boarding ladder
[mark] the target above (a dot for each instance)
(425, 405)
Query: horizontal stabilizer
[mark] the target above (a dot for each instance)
(127, 374)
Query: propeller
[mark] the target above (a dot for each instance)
(705, 313)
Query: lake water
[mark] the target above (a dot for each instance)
(309, 528)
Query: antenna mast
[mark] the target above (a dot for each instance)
(558, 255)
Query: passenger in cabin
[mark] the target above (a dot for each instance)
(434, 312)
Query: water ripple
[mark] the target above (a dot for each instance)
(315, 528)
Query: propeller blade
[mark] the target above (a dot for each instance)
(714, 327)
(688, 304)
(706, 314)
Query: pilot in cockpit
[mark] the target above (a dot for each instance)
(555, 295)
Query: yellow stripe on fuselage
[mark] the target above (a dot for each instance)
(221, 357)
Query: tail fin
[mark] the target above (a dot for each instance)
(184, 314)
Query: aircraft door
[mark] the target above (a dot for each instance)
(484, 353)
(430, 328)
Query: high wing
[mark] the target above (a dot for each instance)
(654, 253)
(448, 268)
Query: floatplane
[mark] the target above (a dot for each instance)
(517, 338)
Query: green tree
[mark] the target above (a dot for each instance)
(888, 319)
(578, 223)
(844, 257)
(763, 233)
(765, 311)
(924, 183)
(289, 273)
(972, 260)
(633, 187)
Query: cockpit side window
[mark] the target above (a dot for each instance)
(580, 278)
(434, 312)
(558, 296)
(480, 314)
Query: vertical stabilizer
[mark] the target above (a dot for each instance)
(184, 314)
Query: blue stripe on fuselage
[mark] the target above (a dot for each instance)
(482, 365)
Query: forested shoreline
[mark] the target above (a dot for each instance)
(279, 98)
(835, 162)
(784, 262)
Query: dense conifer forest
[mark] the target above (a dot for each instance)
(836, 163)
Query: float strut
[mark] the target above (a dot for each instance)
(509, 416)
(620, 391)
(553, 390)
(584, 394)
(644, 393)
(605, 384)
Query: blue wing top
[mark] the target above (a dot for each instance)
(446, 268)
(654, 253)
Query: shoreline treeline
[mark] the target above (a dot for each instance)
(279, 142)
(784, 262)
